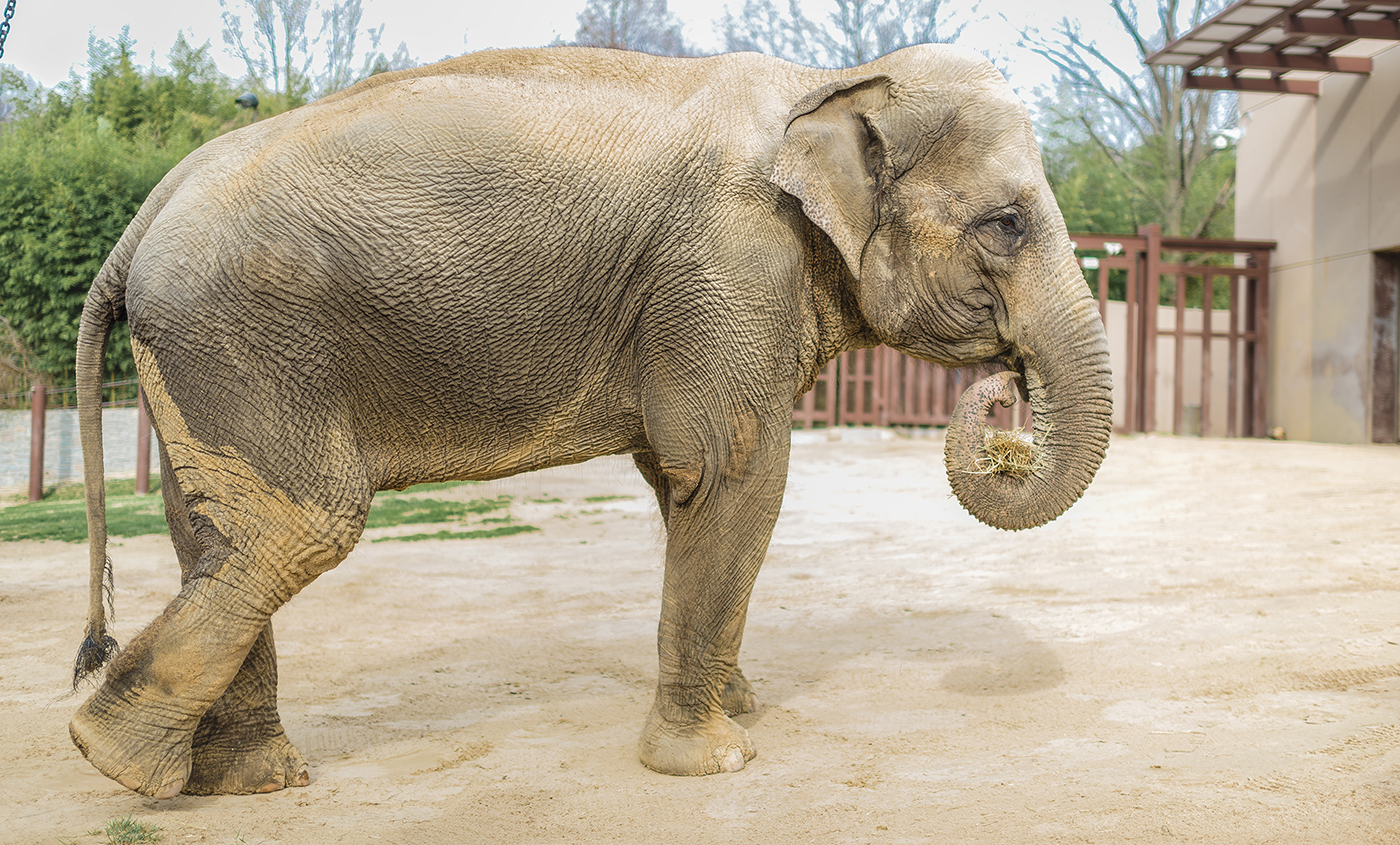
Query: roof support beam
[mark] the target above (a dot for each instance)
(1386, 30)
(1246, 83)
(1271, 60)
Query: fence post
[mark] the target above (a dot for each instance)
(38, 404)
(143, 444)
(1152, 268)
(1258, 424)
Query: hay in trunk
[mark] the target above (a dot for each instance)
(1012, 453)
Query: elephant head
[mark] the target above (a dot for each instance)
(927, 178)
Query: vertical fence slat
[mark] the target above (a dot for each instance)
(1259, 372)
(38, 405)
(1232, 417)
(1178, 346)
(1132, 412)
(1207, 336)
(1147, 376)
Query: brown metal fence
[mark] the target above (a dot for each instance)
(1194, 325)
(882, 387)
(1200, 304)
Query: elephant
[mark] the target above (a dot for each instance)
(522, 259)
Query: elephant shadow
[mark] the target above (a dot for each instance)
(935, 657)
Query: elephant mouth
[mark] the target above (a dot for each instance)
(1017, 365)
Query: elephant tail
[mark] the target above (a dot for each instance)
(105, 306)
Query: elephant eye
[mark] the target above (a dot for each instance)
(1002, 231)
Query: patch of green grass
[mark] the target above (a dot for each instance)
(128, 831)
(551, 501)
(592, 500)
(479, 534)
(116, 487)
(63, 514)
(66, 521)
(393, 510)
(73, 491)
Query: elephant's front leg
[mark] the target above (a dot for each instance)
(720, 519)
(738, 695)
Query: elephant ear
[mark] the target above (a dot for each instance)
(834, 159)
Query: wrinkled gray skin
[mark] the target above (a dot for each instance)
(521, 259)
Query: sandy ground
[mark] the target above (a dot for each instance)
(1205, 649)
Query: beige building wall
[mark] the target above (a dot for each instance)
(1320, 175)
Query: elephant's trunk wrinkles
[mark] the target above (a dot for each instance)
(1065, 367)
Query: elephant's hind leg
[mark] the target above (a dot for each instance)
(738, 695)
(239, 746)
(212, 645)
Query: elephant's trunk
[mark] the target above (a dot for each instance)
(1063, 356)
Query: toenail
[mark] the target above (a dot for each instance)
(733, 761)
(171, 789)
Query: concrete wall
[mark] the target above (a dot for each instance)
(63, 455)
(1319, 175)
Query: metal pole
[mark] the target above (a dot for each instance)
(143, 445)
(38, 404)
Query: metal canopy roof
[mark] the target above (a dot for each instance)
(1282, 46)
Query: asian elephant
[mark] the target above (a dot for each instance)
(525, 258)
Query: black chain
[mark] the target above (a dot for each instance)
(5, 25)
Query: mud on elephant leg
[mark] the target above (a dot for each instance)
(717, 537)
(205, 669)
(138, 727)
(239, 746)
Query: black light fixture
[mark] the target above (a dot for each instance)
(248, 100)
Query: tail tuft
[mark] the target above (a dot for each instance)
(109, 588)
(93, 654)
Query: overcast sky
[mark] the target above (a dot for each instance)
(50, 36)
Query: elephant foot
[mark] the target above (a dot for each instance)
(243, 768)
(153, 760)
(738, 695)
(240, 747)
(711, 746)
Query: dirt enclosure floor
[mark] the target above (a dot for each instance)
(1205, 649)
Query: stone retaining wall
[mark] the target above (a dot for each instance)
(63, 454)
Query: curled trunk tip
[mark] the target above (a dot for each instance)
(1004, 478)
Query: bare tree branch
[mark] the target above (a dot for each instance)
(854, 31)
(1222, 199)
(1116, 159)
(1139, 111)
(282, 52)
(645, 26)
